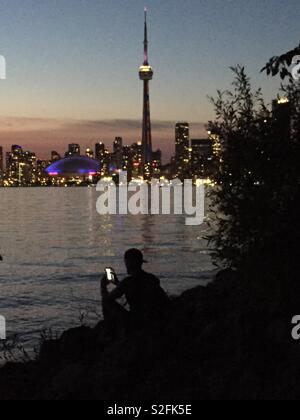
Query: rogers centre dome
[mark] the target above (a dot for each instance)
(75, 166)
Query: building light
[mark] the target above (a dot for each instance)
(282, 101)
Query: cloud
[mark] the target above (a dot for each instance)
(42, 135)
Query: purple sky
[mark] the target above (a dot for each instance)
(45, 135)
(72, 65)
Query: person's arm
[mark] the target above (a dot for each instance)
(118, 292)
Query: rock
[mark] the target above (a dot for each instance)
(218, 343)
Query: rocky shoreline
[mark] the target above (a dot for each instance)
(220, 342)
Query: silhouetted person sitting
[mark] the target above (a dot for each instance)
(148, 302)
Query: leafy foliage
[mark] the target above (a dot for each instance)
(279, 65)
(257, 201)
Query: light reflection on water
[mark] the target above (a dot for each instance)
(55, 248)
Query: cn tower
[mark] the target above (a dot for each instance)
(146, 74)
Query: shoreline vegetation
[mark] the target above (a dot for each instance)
(221, 341)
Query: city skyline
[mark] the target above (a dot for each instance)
(75, 91)
(196, 129)
(87, 133)
(197, 158)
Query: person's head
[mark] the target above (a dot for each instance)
(134, 260)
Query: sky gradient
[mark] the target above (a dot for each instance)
(72, 65)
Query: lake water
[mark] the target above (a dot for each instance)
(56, 246)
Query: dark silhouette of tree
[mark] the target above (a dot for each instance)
(257, 200)
(280, 64)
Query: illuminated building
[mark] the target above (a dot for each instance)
(127, 159)
(182, 148)
(42, 178)
(216, 143)
(13, 159)
(118, 152)
(20, 167)
(156, 163)
(137, 161)
(74, 169)
(104, 157)
(29, 168)
(281, 114)
(100, 150)
(146, 74)
(89, 153)
(118, 144)
(202, 157)
(74, 150)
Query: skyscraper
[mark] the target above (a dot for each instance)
(118, 152)
(136, 150)
(282, 117)
(127, 160)
(20, 167)
(118, 145)
(216, 143)
(100, 151)
(103, 155)
(74, 150)
(202, 157)
(182, 144)
(157, 161)
(146, 74)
